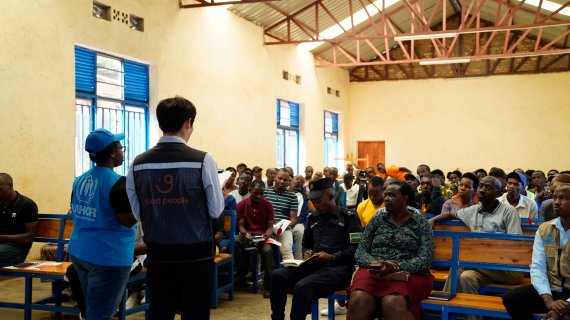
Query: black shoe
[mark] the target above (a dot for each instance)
(266, 293)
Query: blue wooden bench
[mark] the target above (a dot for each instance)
(447, 235)
(225, 283)
(56, 228)
(483, 251)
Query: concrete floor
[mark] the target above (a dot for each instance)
(246, 305)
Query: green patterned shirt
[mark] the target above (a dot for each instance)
(411, 245)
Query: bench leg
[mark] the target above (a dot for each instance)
(315, 310)
(255, 273)
(28, 298)
(214, 298)
(331, 308)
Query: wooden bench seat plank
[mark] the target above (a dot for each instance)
(58, 269)
(221, 257)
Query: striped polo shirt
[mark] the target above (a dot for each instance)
(282, 202)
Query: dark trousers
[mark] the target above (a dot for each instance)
(243, 258)
(308, 283)
(522, 302)
(180, 286)
(12, 253)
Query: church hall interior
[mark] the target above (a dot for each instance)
(460, 84)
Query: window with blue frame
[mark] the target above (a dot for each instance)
(110, 93)
(287, 148)
(331, 139)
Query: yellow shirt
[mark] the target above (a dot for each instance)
(366, 210)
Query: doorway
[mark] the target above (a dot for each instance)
(375, 151)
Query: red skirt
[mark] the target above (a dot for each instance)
(417, 288)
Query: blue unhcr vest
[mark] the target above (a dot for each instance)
(98, 237)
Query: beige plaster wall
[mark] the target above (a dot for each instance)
(505, 121)
(210, 56)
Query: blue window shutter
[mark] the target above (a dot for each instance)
(278, 112)
(136, 81)
(294, 108)
(85, 70)
(334, 122)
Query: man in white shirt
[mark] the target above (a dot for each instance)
(351, 190)
(526, 207)
(242, 192)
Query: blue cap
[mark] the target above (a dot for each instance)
(519, 176)
(100, 139)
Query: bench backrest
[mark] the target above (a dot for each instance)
(458, 225)
(229, 217)
(54, 228)
(481, 250)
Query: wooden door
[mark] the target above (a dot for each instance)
(374, 150)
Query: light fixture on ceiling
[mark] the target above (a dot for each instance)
(444, 61)
(426, 36)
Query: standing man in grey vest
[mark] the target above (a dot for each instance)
(174, 191)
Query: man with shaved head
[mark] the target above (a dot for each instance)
(550, 268)
(492, 216)
(18, 220)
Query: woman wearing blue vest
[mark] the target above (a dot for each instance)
(102, 243)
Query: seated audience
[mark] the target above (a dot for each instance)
(381, 171)
(270, 174)
(422, 170)
(339, 191)
(480, 173)
(552, 172)
(239, 168)
(298, 187)
(547, 209)
(291, 172)
(396, 172)
(431, 199)
(349, 169)
(328, 243)
(370, 172)
(257, 173)
(445, 192)
(525, 206)
(549, 270)
(242, 192)
(18, 221)
(285, 207)
(540, 192)
(454, 177)
(528, 175)
(414, 181)
(394, 256)
(255, 216)
(308, 176)
(465, 196)
(501, 175)
(230, 185)
(367, 208)
(351, 190)
(489, 215)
